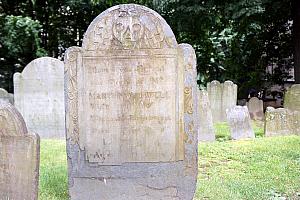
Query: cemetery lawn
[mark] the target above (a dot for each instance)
(263, 168)
(53, 170)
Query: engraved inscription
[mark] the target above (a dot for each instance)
(129, 109)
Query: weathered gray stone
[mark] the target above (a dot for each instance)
(131, 106)
(256, 108)
(292, 98)
(19, 157)
(206, 129)
(221, 97)
(281, 121)
(39, 96)
(239, 121)
(5, 96)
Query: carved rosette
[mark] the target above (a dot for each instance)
(71, 93)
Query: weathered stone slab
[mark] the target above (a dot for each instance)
(5, 96)
(221, 97)
(206, 129)
(292, 98)
(39, 96)
(239, 121)
(256, 108)
(131, 106)
(281, 121)
(19, 157)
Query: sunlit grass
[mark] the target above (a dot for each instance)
(263, 168)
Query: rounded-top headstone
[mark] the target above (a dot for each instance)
(131, 107)
(256, 108)
(11, 121)
(5, 96)
(19, 156)
(39, 96)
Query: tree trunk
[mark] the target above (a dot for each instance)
(296, 38)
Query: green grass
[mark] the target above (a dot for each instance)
(53, 170)
(263, 168)
(222, 130)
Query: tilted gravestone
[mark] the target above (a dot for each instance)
(19, 156)
(131, 107)
(222, 97)
(5, 96)
(39, 96)
(281, 121)
(292, 98)
(239, 121)
(256, 108)
(206, 129)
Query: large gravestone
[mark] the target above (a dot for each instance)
(206, 129)
(292, 98)
(256, 108)
(239, 121)
(131, 106)
(222, 97)
(39, 96)
(19, 157)
(5, 96)
(281, 121)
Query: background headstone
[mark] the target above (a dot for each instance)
(206, 129)
(215, 91)
(221, 97)
(239, 121)
(281, 121)
(39, 96)
(19, 157)
(256, 108)
(292, 98)
(131, 106)
(5, 96)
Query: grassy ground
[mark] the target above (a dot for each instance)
(263, 168)
(53, 170)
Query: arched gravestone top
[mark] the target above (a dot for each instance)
(131, 106)
(39, 96)
(3, 92)
(5, 96)
(128, 26)
(11, 121)
(40, 67)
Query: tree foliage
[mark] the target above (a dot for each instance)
(20, 43)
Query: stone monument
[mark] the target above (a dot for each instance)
(39, 96)
(206, 131)
(292, 98)
(131, 106)
(221, 97)
(281, 121)
(239, 121)
(6, 97)
(256, 108)
(19, 156)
